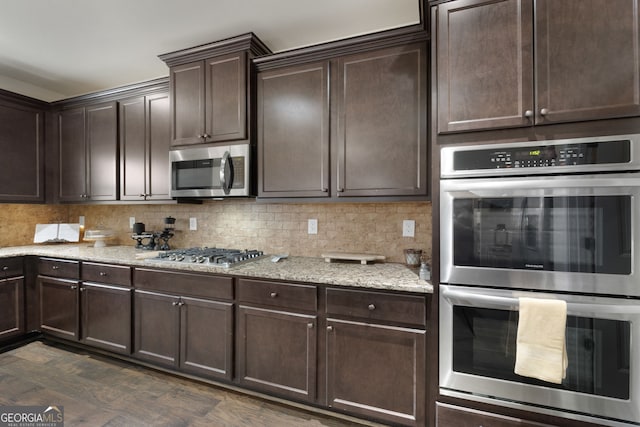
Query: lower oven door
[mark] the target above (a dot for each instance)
(478, 328)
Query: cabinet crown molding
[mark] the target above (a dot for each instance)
(249, 42)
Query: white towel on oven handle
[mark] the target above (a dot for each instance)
(540, 345)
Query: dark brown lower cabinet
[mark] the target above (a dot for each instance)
(449, 415)
(192, 334)
(277, 351)
(106, 317)
(12, 322)
(59, 307)
(376, 371)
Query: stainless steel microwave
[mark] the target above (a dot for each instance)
(211, 172)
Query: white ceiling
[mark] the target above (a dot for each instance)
(55, 49)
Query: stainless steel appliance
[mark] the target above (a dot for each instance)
(553, 219)
(211, 171)
(211, 256)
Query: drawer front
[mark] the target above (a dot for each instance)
(188, 284)
(379, 306)
(11, 267)
(105, 273)
(277, 294)
(59, 268)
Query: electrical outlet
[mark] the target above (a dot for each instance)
(408, 228)
(193, 224)
(81, 220)
(132, 220)
(312, 226)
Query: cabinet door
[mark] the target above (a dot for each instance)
(11, 308)
(106, 317)
(22, 160)
(133, 150)
(144, 148)
(59, 307)
(156, 323)
(73, 160)
(102, 150)
(484, 64)
(381, 123)
(277, 352)
(159, 142)
(587, 58)
(206, 337)
(226, 98)
(376, 371)
(293, 132)
(187, 103)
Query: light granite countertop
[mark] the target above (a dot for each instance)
(386, 276)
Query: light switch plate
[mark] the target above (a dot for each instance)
(408, 228)
(193, 224)
(312, 226)
(81, 220)
(132, 220)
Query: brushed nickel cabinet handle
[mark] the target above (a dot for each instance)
(371, 307)
(5, 268)
(273, 294)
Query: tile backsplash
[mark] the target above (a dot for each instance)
(246, 224)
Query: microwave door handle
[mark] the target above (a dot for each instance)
(225, 172)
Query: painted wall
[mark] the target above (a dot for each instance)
(245, 224)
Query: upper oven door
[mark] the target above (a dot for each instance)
(568, 233)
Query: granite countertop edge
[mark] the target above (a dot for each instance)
(383, 276)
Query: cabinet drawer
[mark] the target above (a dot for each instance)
(11, 267)
(59, 268)
(188, 284)
(276, 294)
(377, 306)
(449, 415)
(105, 273)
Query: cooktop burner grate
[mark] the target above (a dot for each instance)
(213, 256)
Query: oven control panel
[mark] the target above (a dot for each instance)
(542, 156)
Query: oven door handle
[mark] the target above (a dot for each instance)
(473, 299)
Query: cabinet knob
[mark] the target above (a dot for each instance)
(55, 267)
(544, 112)
(206, 135)
(309, 325)
(528, 114)
(103, 274)
(273, 294)
(74, 287)
(371, 307)
(181, 303)
(175, 303)
(5, 268)
(329, 328)
(325, 190)
(340, 190)
(82, 289)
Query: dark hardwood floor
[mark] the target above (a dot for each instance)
(100, 391)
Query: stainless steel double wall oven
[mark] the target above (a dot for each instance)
(554, 219)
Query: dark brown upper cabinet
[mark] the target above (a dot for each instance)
(88, 138)
(515, 63)
(293, 131)
(144, 148)
(210, 90)
(22, 147)
(353, 125)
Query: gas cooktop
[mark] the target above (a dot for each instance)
(213, 256)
